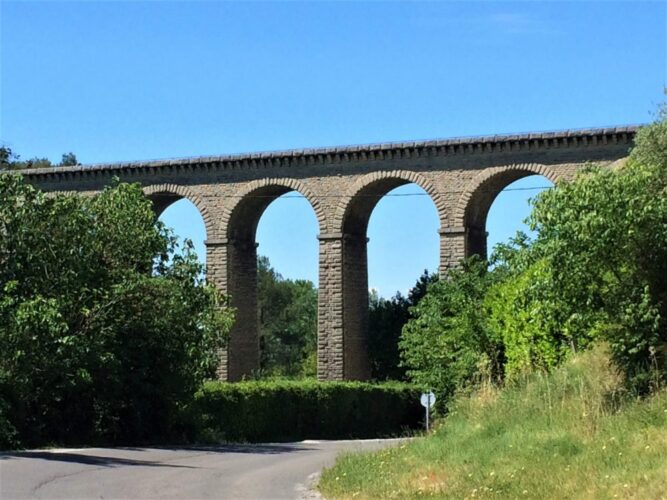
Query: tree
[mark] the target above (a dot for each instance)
(288, 323)
(386, 320)
(11, 161)
(105, 332)
(446, 344)
(68, 160)
(604, 240)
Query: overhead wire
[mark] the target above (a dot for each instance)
(298, 195)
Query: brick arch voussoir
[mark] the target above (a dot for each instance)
(406, 175)
(188, 194)
(486, 175)
(289, 183)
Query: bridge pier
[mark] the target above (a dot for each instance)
(355, 307)
(457, 243)
(342, 350)
(232, 268)
(330, 328)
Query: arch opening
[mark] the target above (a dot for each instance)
(403, 257)
(362, 356)
(509, 210)
(186, 222)
(257, 344)
(496, 209)
(287, 270)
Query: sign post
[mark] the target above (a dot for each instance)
(427, 399)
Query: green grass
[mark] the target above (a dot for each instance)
(573, 433)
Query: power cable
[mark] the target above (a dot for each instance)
(286, 196)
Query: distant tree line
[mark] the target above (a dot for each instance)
(11, 161)
(386, 320)
(287, 324)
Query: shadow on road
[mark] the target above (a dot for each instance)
(111, 461)
(258, 449)
(80, 458)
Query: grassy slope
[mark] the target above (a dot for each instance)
(570, 434)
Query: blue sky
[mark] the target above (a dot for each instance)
(138, 80)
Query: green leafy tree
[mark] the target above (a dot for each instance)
(11, 161)
(604, 239)
(288, 323)
(386, 320)
(105, 332)
(68, 160)
(446, 345)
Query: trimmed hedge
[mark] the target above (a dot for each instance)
(285, 410)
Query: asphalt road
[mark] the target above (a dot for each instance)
(263, 471)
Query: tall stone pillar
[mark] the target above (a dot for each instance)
(232, 267)
(457, 243)
(355, 310)
(343, 308)
(330, 364)
(216, 274)
(452, 248)
(243, 350)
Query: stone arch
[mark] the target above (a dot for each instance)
(266, 191)
(475, 201)
(350, 224)
(163, 195)
(375, 185)
(238, 226)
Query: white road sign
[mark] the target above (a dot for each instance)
(427, 399)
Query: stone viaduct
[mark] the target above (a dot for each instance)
(343, 184)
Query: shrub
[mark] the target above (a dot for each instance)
(604, 239)
(537, 330)
(386, 318)
(446, 344)
(104, 331)
(290, 410)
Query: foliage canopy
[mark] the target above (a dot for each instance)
(287, 322)
(104, 329)
(596, 270)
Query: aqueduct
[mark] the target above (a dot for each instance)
(343, 185)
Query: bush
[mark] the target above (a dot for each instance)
(386, 318)
(446, 344)
(104, 331)
(536, 329)
(290, 410)
(596, 269)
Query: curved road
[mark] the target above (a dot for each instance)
(262, 471)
